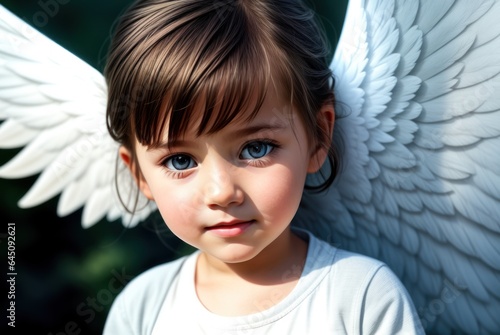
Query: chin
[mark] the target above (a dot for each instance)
(235, 254)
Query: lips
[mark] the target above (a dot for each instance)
(230, 228)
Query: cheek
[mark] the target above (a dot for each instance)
(278, 195)
(176, 205)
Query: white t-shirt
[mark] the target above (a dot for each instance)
(339, 292)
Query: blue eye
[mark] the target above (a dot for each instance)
(256, 150)
(179, 162)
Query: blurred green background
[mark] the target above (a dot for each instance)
(68, 276)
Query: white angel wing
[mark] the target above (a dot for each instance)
(53, 104)
(418, 83)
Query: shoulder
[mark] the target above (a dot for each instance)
(358, 267)
(366, 278)
(358, 274)
(387, 306)
(350, 264)
(136, 306)
(367, 293)
(346, 264)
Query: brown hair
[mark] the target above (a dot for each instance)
(165, 55)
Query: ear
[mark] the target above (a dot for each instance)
(326, 120)
(127, 159)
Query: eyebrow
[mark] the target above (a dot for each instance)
(256, 129)
(169, 144)
(243, 132)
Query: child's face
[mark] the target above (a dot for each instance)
(232, 193)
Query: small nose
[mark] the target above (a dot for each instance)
(221, 187)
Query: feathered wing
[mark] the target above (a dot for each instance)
(418, 85)
(53, 104)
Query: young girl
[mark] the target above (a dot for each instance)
(236, 109)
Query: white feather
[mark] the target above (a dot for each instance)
(54, 105)
(14, 135)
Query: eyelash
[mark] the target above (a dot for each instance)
(176, 174)
(261, 161)
(257, 162)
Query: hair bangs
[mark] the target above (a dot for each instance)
(233, 92)
(221, 75)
